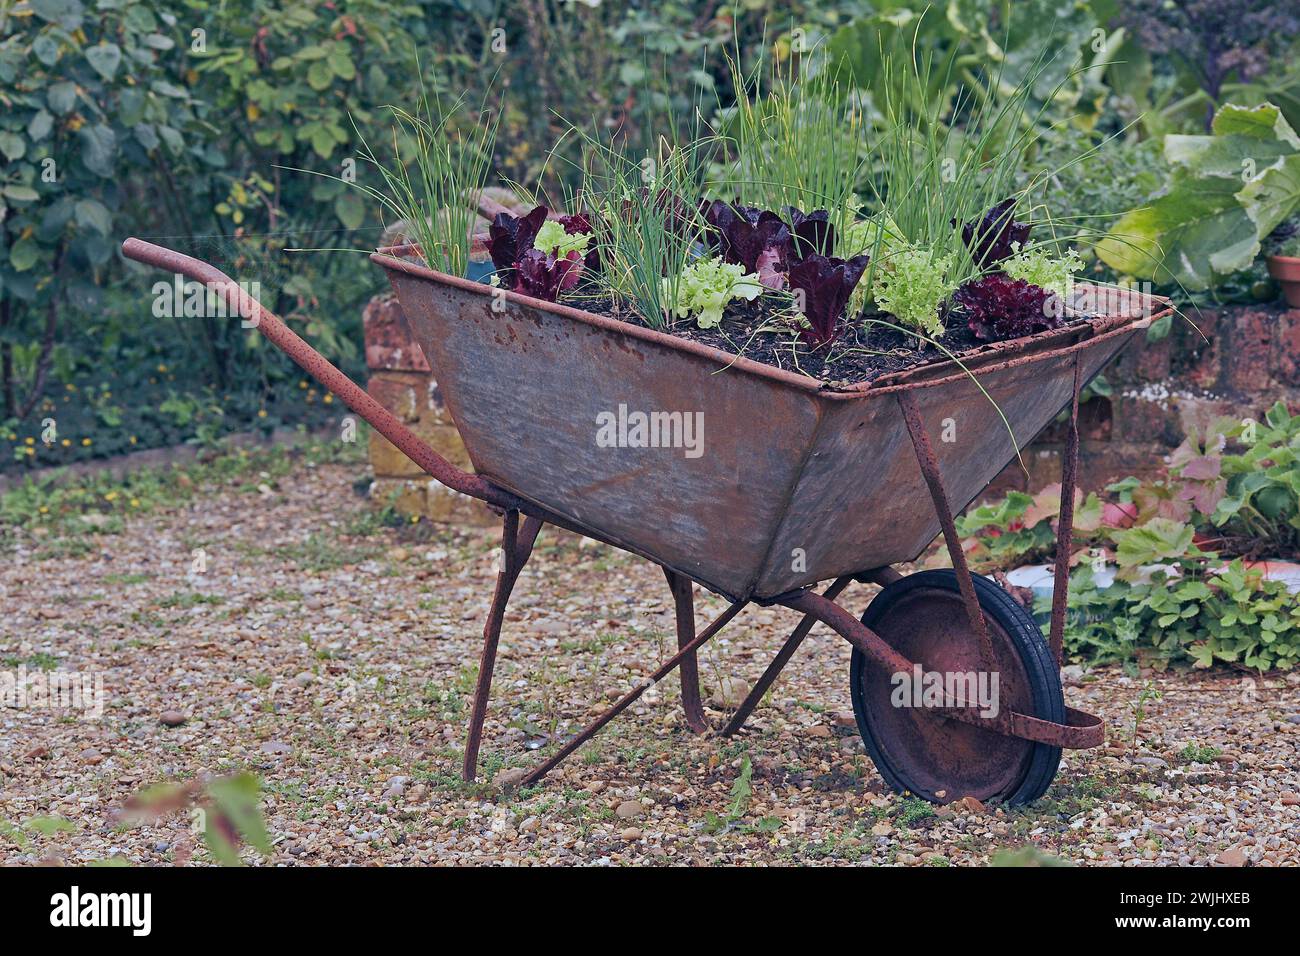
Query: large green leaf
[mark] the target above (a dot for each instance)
(66, 13)
(41, 124)
(1273, 195)
(1194, 231)
(62, 96)
(13, 146)
(92, 214)
(1229, 190)
(1263, 122)
(99, 148)
(350, 209)
(23, 255)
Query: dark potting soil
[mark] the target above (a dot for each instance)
(866, 348)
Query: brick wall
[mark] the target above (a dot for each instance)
(1233, 360)
(1242, 360)
(400, 380)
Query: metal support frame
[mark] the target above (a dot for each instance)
(627, 699)
(684, 608)
(782, 658)
(934, 481)
(1065, 523)
(516, 546)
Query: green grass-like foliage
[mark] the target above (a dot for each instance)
(435, 175)
(648, 224)
(798, 139)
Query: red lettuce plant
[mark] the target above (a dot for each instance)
(996, 235)
(810, 233)
(999, 307)
(509, 237)
(826, 284)
(523, 268)
(543, 276)
(757, 239)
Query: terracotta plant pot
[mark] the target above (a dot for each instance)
(1286, 270)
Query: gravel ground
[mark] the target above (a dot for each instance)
(286, 634)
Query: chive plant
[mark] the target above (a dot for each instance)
(798, 139)
(647, 223)
(932, 174)
(435, 174)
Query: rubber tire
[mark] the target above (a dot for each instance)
(1035, 655)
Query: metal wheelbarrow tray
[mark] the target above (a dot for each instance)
(791, 483)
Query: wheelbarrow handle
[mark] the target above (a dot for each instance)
(319, 368)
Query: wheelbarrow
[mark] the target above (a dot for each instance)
(792, 484)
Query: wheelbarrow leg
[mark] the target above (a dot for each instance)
(684, 602)
(516, 546)
(782, 658)
(1065, 524)
(934, 481)
(627, 699)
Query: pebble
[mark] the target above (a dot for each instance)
(171, 718)
(630, 810)
(1233, 856)
(510, 777)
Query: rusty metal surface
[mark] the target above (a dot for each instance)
(516, 547)
(862, 501)
(929, 466)
(796, 483)
(684, 612)
(929, 626)
(526, 386)
(1065, 525)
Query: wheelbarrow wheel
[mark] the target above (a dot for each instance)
(940, 759)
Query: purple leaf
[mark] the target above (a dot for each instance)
(543, 276)
(991, 238)
(810, 233)
(826, 284)
(998, 307)
(756, 239)
(509, 237)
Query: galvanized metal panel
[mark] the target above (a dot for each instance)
(795, 484)
(861, 502)
(525, 387)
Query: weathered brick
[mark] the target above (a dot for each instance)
(397, 392)
(1152, 419)
(1198, 356)
(433, 409)
(1248, 358)
(388, 342)
(454, 508)
(1287, 350)
(387, 461)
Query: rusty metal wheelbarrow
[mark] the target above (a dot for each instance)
(793, 484)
